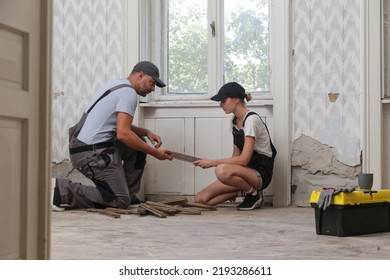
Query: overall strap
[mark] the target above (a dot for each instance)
(253, 113)
(274, 152)
(106, 93)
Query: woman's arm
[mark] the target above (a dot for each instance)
(238, 158)
(236, 151)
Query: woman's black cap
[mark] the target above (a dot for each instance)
(231, 89)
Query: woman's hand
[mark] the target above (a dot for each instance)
(204, 163)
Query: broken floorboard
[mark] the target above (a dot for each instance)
(160, 209)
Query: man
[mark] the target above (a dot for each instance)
(108, 149)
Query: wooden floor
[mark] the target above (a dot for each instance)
(267, 233)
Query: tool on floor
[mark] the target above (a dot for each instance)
(327, 193)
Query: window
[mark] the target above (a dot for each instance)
(246, 41)
(187, 47)
(200, 45)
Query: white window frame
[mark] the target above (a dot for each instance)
(154, 48)
(280, 84)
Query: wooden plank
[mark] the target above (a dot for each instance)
(160, 204)
(123, 211)
(141, 211)
(110, 214)
(168, 209)
(184, 157)
(177, 208)
(185, 210)
(93, 210)
(153, 210)
(200, 205)
(104, 212)
(175, 201)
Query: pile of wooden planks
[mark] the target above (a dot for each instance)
(160, 209)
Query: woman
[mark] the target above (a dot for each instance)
(249, 170)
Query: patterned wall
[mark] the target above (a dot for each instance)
(326, 42)
(386, 35)
(87, 51)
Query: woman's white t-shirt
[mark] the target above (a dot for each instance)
(255, 127)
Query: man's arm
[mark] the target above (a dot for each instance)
(153, 137)
(126, 134)
(139, 130)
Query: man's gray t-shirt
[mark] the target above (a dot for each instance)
(100, 125)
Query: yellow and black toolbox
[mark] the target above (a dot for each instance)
(353, 213)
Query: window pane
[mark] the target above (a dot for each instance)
(247, 44)
(187, 51)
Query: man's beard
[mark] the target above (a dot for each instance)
(143, 93)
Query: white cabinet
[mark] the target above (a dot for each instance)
(200, 131)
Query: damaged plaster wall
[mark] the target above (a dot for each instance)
(326, 123)
(314, 166)
(318, 158)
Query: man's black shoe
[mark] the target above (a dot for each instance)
(56, 197)
(135, 200)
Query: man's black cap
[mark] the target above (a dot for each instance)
(231, 89)
(151, 70)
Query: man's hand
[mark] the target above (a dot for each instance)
(154, 139)
(163, 154)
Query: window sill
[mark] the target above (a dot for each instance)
(198, 103)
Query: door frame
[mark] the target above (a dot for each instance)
(44, 212)
(281, 84)
(372, 116)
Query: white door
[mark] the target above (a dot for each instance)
(24, 129)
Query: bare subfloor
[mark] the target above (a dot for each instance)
(267, 233)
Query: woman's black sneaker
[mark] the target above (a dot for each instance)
(251, 202)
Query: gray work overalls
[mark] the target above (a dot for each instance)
(115, 169)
